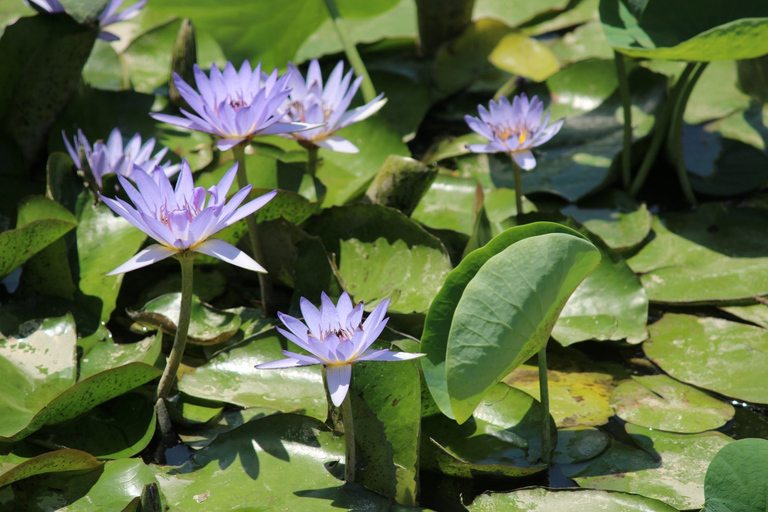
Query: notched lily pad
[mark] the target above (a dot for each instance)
(662, 403)
(208, 325)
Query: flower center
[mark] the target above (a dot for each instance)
(237, 103)
(507, 132)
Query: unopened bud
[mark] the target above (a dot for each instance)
(184, 59)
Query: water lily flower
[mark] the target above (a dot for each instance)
(106, 18)
(180, 219)
(335, 338)
(310, 102)
(513, 128)
(114, 158)
(235, 105)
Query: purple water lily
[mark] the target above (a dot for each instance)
(310, 102)
(114, 158)
(513, 128)
(234, 105)
(106, 18)
(181, 220)
(335, 338)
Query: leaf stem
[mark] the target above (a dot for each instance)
(675, 136)
(369, 93)
(311, 159)
(265, 284)
(626, 103)
(660, 130)
(518, 186)
(349, 437)
(546, 439)
(186, 260)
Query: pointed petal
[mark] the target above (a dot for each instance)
(386, 355)
(525, 160)
(282, 363)
(229, 253)
(151, 254)
(311, 316)
(338, 144)
(338, 376)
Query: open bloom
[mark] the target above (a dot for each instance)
(113, 157)
(106, 18)
(181, 220)
(310, 102)
(513, 128)
(235, 105)
(335, 338)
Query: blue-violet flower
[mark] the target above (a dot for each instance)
(310, 102)
(112, 157)
(335, 337)
(181, 220)
(513, 128)
(106, 18)
(235, 105)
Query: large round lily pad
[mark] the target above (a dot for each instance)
(711, 353)
(573, 500)
(713, 255)
(664, 466)
(660, 402)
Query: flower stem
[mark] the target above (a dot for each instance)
(312, 159)
(182, 326)
(675, 136)
(265, 284)
(518, 186)
(349, 437)
(660, 130)
(626, 103)
(369, 93)
(546, 440)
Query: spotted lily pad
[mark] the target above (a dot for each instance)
(665, 466)
(107, 354)
(712, 353)
(15, 468)
(704, 256)
(662, 403)
(208, 325)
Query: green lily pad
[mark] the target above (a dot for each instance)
(347, 175)
(117, 429)
(716, 94)
(502, 438)
(231, 377)
(15, 468)
(195, 411)
(525, 13)
(381, 253)
(280, 462)
(208, 325)
(616, 217)
(711, 353)
(104, 242)
(573, 500)
(112, 487)
(703, 256)
(756, 314)
(584, 42)
(575, 398)
(736, 478)
(670, 30)
(447, 204)
(667, 467)
(40, 222)
(392, 394)
(662, 403)
(576, 444)
(524, 56)
(107, 354)
(229, 420)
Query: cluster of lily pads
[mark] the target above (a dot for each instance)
(573, 312)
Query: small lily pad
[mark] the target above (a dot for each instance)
(662, 403)
(712, 353)
(208, 325)
(576, 444)
(502, 438)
